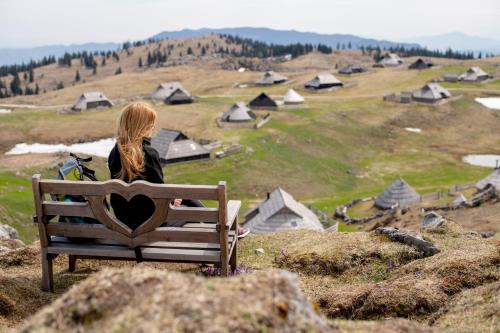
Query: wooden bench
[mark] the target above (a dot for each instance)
(209, 237)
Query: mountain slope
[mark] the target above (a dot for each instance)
(459, 41)
(16, 56)
(282, 36)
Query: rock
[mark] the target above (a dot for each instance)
(148, 300)
(432, 220)
(259, 251)
(487, 234)
(7, 232)
(409, 237)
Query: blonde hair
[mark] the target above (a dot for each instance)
(136, 122)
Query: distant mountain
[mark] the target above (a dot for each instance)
(459, 41)
(17, 56)
(284, 37)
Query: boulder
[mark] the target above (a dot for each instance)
(7, 232)
(433, 220)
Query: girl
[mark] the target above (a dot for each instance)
(133, 158)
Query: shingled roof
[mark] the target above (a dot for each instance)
(474, 74)
(280, 212)
(398, 194)
(493, 179)
(173, 146)
(390, 60)
(323, 81)
(91, 100)
(270, 78)
(421, 64)
(352, 69)
(171, 92)
(263, 101)
(239, 112)
(431, 92)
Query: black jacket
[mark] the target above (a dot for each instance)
(140, 208)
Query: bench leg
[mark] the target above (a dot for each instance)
(224, 268)
(233, 260)
(71, 263)
(47, 273)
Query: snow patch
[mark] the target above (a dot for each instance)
(489, 102)
(5, 111)
(100, 148)
(490, 161)
(414, 130)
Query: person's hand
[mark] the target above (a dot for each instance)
(177, 202)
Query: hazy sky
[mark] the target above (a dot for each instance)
(26, 23)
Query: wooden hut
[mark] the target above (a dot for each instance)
(390, 60)
(293, 98)
(474, 74)
(263, 101)
(239, 112)
(281, 212)
(270, 78)
(430, 93)
(174, 147)
(492, 180)
(324, 81)
(352, 69)
(91, 100)
(421, 64)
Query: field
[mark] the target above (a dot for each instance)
(338, 146)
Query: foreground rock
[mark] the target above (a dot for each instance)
(409, 237)
(148, 300)
(8, 239)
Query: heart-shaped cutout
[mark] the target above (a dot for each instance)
(133, 212)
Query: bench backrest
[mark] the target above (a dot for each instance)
(113, 229)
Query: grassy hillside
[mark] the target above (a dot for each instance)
(338, 146)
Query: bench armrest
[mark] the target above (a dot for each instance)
(233, 208)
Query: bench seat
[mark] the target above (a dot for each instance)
(155, 251)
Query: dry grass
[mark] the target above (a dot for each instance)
(477, 309)
(145, 300)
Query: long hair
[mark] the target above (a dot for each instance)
(136, 123)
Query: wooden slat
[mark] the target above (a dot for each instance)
(194, 214)
(154, 191)
(170, 234)
(173, 245)
(63, 208)
(124, 252)
(159, 234)
(200, 225)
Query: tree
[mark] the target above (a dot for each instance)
(94, 71)
(25, 76)
(103, 62)
(77, 76)
(32, 75)
(118, 71)
(37, 89)
(60, 85)
(15, 85)
(140, 62)
(349, 45)
(189, 51)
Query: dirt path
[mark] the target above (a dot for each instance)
(29, 106)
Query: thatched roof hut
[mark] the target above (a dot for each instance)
(239, 112)
(398, 194)
(263, 101)
(173, 147)
(91, 100)
(270, 78)
(430, 93)
(324, 81)
(421, 64)
(474, 74)
(292, 97)
(493, 179)
(280, 212)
